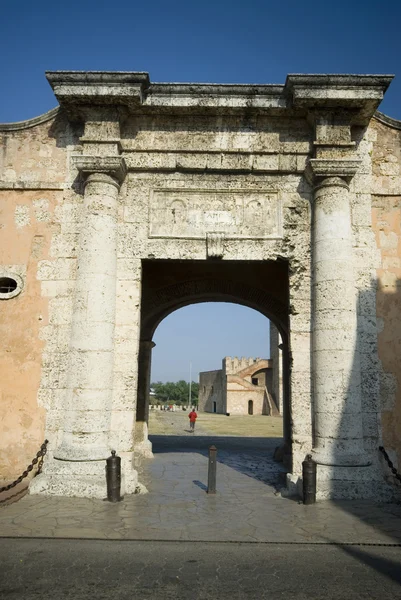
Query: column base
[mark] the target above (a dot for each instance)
(75, 453)
(344, 483)
(83, 479)
(142, 445)
(143, 449)
(332, 459)
(351, 483)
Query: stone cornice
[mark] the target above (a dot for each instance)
(216, 89)
(74, 89)
(360, 94)
(394, 123)
(132, 91)
(108, 165)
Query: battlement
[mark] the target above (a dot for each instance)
(233, 364)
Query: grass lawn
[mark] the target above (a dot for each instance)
(171, 423)
(242, 425)
(160, 423)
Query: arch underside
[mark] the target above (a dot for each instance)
(158, 304)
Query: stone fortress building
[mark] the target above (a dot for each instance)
(243, 386)
(133, 199)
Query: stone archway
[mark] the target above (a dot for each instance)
(263, 189)
(170, 285)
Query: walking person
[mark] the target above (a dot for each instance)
(192, 420)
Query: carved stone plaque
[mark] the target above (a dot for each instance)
(195, 213)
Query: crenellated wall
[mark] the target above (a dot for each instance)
(234, 364)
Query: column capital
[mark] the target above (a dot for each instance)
(114, 166)
(341, 170)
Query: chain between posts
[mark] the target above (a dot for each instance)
(390, 464)
(38, 459)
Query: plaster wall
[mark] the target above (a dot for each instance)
(32, 176)
(386, 223)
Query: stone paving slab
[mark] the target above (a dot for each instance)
(247, 507)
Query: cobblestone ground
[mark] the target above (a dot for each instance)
(84, 569)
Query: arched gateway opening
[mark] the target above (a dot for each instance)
(168, 285)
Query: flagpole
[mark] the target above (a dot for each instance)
(190, 383)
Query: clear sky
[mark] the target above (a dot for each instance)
(238, 41)
(202, 334)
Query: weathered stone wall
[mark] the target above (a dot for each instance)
(238, 397)
(232, 387)
(386, 222)
(210, 391)
(233, 365)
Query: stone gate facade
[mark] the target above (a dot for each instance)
(133, 199)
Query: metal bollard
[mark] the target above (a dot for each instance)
(113, 477)
(211, 474)
(309, 480)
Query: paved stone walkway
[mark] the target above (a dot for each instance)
(247, 506)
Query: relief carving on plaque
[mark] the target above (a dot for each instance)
(196, 213)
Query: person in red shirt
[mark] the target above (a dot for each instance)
(192, 420)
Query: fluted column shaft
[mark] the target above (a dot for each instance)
(87, 411)
(338, 434)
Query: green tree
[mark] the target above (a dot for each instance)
(175, 392)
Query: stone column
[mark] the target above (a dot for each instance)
(338, 434)
(143, 446)
(276, 356)
(87, 410)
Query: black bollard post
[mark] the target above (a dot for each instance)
(211, 475)
(309, 480)
(113, 477)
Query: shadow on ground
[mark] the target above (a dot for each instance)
(250, 456)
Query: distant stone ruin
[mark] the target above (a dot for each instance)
(243, 386)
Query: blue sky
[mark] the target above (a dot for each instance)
(202, 334)
(251, 41)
